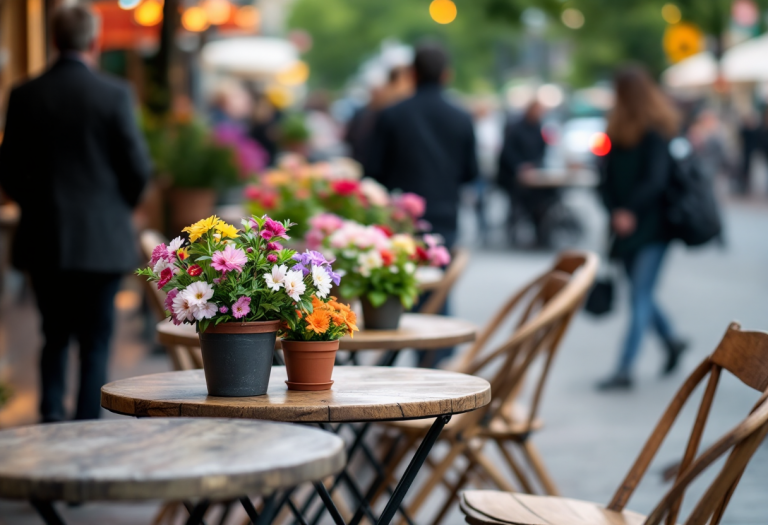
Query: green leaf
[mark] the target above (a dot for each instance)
(377, 298)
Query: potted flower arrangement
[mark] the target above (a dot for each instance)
(378, 267)
(300, 190)
(238, 287)
(311, 340)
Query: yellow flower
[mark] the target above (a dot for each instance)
(226, 230)
(200, 228)
(404, 243)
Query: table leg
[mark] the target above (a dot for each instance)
(197, 513)
(413, 468)
(328, 502)
(47, 512)
(389, 358)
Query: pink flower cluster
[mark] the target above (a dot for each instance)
(271, 230)
(322, 225)
(228, 260)
(359, 236)
(411, 204)
(437, 253)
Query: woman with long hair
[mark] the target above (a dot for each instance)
(633, 181)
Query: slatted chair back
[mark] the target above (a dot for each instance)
(437, 298)
(546, 308)
(182, 357)
(745, 355)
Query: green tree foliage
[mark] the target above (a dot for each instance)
(346, 32)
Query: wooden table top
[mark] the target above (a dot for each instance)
(169, 459)
(418, 331)
(359, 393)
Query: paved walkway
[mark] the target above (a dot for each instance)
(590, 439)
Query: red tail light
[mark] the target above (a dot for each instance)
(600, 144)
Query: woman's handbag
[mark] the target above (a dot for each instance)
(600, 298)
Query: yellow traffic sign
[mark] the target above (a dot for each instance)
(682, 41)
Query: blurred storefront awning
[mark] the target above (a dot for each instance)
(747, 62)
(696, 71)
(120, 31)
(254, 57)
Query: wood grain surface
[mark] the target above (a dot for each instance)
(418, 331)
(179, 458)
(359, 393)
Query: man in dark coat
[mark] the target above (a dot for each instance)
(74, 160)
(426, 145)
(524, 148)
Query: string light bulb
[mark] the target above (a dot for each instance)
(149, 13)
(248, 17)
(442, 11)
(217, 11)
(195, 20)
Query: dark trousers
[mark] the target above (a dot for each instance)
(79, 304)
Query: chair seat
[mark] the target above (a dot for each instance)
(483, 507)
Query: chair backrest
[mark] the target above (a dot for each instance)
(545, 307)
(434, 304)
(745, 355)
(148, 240)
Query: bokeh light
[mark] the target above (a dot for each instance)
(671, 14)
(294, 75)
(572, 18)
(149, 13)
(550, 95)
(128, 4)
(248, 17)
(442, 11)
(195, 19)
(600, 144)
(217, 11)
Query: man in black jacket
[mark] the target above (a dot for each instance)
(74, 160)
(426, 145)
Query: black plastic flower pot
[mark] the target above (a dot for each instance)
(385, 317)
(237, 358)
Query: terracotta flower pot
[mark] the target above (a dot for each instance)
(309, 364)
(384, 317)
(189, 205)
(237, 357)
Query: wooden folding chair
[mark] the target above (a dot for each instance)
(544, 309)
(743, 354)
(182, 357)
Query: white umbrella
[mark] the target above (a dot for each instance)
(250, 56)
(748, 61)
(695, 71)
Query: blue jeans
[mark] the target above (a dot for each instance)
(643, 271)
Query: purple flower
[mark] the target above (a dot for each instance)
(241, 308)
(223, 309)
(272, 258)
(335, 277)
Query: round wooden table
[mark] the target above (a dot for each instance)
(171, 459)
(359, 394)
(418, 331)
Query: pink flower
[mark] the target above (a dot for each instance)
(241, 307)
(439, 256)
(412, 204)
(327, 223)
(169, 299)
(249, 250)
(165, 277)
(274, 246)
(252, 193)
(272, 258)
(229, 260)
(275, 228)
(314, 239)
(223, 309)
(345, 188)
(160, 252)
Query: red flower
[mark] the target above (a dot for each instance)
(345, 187)
(194, 270)
(387, 257)
(384, 229)
(421, 254)
(165, 277)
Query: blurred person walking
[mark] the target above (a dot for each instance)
(426, 145)
(634, 178)
(74, 160)
(488, 132)
(522, 151)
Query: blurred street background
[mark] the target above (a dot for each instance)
(266, 80)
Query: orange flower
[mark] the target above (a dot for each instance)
(338, 318)
(351, 319)
(318, 321)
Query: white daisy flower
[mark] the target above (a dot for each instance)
(198, 293)
(174, 245)
(410, 267)
(322, 281)
(182, 309)
(160, 265)
(277, 278)
(205, 311)
(394, 269)
(294, 284)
